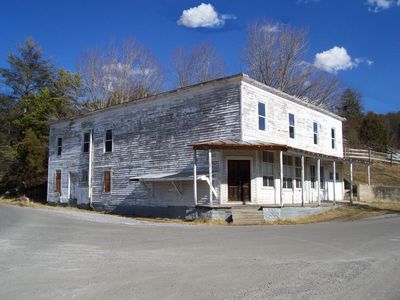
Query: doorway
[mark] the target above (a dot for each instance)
(239, 180)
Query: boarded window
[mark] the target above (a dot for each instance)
(57, 185)
(107, 181)
(86, 142)
(287, 172)
(268, 169)
(85, 176)
(261, 116)
(108, 141)
(315, 130)
(59, 146)
(333, 138)
(291, 126)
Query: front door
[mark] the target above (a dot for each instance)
(239, 180)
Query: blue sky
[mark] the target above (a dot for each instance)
(366, 33)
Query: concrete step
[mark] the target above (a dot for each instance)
(247, 216)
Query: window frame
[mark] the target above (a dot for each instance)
(297, 177)
(316, 133)
(84, 142)
(262, 118)
(333, 138)
(313, 176)
(269, 178)
(59, 146)
(108, 140)
(292, 130)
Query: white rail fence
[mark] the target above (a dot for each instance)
(371, 156)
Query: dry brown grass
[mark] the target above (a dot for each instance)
(381, 174)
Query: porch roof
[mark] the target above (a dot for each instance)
(181, 176)
(257, 145)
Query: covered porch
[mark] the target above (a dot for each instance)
(265, 174)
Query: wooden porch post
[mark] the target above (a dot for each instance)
(351, 182)
(281, 177)
(369, 174)
(302, 180)
(319, 181)
(195, 176)
(210, 175)
(334, 182)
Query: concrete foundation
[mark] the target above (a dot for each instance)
(370, 193)
(275, 213)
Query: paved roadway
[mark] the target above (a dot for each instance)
(47, 254)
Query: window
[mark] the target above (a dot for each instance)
(85, 176)
(333, 138)
(321, 177)
(312, 176)
(331, 176)
(107, 181)
(57, 186)
(261, 116)
(108, 141)
(59, 146)
(291, 126)
(287, 172)
(297, 169)
(315, 129)
(86, 142)
(268, 169)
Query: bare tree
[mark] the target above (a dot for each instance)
(119, 73)
(275, 55)
(198, 64)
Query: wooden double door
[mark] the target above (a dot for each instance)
(239, 180)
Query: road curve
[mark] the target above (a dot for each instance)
(45, 254)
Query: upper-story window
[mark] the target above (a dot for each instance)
(261, 116)
(86, 142)
(315, 130)
(108, 141)
(59, 146)
(291, 126)
(268, 169)
(333, 138)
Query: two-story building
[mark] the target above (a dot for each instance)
(216, 144)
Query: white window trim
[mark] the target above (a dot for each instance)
(294, 125)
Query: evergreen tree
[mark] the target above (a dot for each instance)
(350, 107)
(28, 72)
(373, 132)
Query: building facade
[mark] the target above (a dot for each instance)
(219, 143)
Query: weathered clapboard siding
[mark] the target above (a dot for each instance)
(149, 136)
(277, 122)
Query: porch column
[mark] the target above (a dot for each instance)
(351, 182)
(195, 176)
(281, 177)
(334, 182)
(319, 181)
(369, 174)
(302, 180)
(210, 175)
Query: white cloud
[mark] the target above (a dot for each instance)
(203, 15)
(379, 5)
(335, 59)
(271, 28)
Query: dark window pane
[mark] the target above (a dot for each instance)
(86, 147)
(261, 123)
(108, 146)
(291, 132)
(261, 109)
(315, 139)
(268, 157)
(291, 119)
(315, 127)
(109, 134)
(333, 132)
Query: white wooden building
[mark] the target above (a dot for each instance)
(214, 144)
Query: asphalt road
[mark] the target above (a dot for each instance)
(45, 254)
